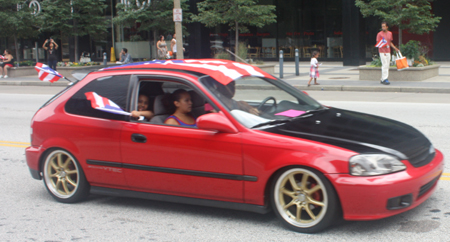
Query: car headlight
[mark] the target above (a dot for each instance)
(374, 164)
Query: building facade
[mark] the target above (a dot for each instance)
(334, 28)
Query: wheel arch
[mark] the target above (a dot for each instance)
(58, 143)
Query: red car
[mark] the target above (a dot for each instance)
(257, 144)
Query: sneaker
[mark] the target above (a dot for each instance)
(385, 82)
(1, 76)
(5, 76)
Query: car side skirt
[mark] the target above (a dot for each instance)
(179, 199)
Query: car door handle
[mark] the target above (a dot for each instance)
(138, 138)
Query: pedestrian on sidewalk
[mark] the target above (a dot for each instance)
(125, 58)
(385, 51)
(162, 48)
(314, 70)
(51, 53)
(8, 62)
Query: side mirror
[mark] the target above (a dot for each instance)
(216, 122)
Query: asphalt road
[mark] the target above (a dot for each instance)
(28, 213)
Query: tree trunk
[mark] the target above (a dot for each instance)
(399, 37)
(17, 50)
(236, 39)
(76, 49)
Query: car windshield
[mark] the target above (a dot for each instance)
(256, 101)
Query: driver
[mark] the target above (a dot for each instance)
(226, 94)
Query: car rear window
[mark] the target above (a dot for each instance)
(115, 88)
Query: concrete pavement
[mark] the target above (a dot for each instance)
(333, 77)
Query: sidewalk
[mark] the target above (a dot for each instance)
(333, 77)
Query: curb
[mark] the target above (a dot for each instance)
(32, 83)
(300, 87)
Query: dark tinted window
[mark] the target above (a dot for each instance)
(114, 88)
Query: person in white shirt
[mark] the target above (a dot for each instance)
(314, 70)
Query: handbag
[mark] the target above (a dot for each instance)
(401, 62)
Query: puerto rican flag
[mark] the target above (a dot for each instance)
(224, 71)
(2, 57)
(381, 43)
(46, 73)
(104, 104)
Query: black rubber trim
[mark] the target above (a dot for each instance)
(178, 199)
(103, 163)
(35, 174)
(174, 171)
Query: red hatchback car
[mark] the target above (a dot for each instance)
(243, 139)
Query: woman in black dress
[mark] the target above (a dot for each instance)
(51, 53)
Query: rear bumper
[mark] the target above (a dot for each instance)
(33, 153)
(366, 198)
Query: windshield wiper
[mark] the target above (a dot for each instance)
(272, 122)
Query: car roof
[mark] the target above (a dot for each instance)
(224, 71)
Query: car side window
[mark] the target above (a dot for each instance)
(114, 88)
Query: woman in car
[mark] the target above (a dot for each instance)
(142, 108)
(183, 107)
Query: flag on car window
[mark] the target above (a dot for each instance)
(104, 104)
(46, 73)
(381, 43)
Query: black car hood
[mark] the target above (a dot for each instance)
(359, 132)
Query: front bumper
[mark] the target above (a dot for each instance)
(33, 153)
(366, 198)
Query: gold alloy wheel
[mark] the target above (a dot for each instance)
(61, 174)
(301, 197)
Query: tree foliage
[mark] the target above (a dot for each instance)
(413, 15)
(17, 21)
(74, 18)
(238, 14)
(156, 17)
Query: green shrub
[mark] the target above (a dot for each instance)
(222, 55)
(411, 49)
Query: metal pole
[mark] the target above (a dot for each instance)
(297, 72)
(281, 64)
(37, 51)
(105, 61)
(178, 32)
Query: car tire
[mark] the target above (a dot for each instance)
(64, 178)
(304, 200)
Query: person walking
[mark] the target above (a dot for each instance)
(173, 46)
(314, 69)
(162, 48)
(51, 53)
(7, 63)
(385, 36)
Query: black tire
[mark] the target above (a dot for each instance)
(64, 178)
(304, 200)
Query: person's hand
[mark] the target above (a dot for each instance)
(254, 111)
(46, 41)
(135, 114)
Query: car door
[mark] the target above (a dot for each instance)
(97, 133)
(183, 161)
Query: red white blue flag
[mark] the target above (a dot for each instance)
(224, 71)
(46, 73)
(2, 57)
(381, 43)
(104, 104)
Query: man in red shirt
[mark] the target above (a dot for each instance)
(385, 52)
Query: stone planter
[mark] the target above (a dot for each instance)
(411, 74)
(65, 71)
